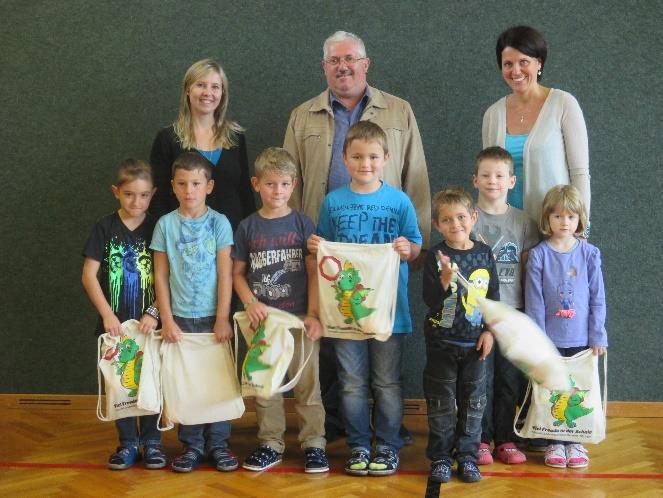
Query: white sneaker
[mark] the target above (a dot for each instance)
(576, 456)
(556, 456)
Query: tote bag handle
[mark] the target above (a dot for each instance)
(302, 363)
(100, 414)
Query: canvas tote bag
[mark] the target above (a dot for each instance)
(270, 348)
(576, 414)
(122, 362)
(198, 381)
(357, 286)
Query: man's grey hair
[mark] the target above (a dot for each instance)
(341, 36)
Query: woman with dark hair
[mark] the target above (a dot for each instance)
(202, 127)
(543, 128)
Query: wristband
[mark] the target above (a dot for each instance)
(153, 312)
(250, 302)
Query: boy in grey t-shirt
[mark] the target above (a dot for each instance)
(272, 267)
(509, 232)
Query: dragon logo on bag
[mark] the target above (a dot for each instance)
(350, 292)
(257, 347)
(127, 359)
(567, 405)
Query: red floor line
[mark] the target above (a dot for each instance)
(297, 470)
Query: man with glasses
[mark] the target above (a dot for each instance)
(315, 135)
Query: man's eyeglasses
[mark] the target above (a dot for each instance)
(348, 59)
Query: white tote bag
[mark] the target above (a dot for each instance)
(121, 360)
(270, 348)
(575, 414)
(357, 285)
(198, 381)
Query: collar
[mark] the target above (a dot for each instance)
(322, 102)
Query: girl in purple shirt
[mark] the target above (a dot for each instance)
(564, 293)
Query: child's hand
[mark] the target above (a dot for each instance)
(147, 323)
(313, 242)
(485, 344)
(402, 246)
(446, 270)
(257, 312)
(222, 330)
(599, 350)
(313, 328)
(112, 325)
(170, 331)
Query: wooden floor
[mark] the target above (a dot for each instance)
(61, 451)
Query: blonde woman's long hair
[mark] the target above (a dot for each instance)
(225, 131)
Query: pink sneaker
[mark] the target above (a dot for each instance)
(576, 456)
(509, 454)
(556, 456)
(483, 455)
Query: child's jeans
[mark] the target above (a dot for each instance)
(454, 381)
(367, 367)
(202, 437)
(308, 404)
(130, 436)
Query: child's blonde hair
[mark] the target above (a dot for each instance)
(133, 169)
(452, 195)
(566, 197)
(367, 131)
(275, 160)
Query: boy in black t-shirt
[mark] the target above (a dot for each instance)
(119, 280)
(456, 341)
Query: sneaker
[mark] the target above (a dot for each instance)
(576, 456)
(223, 459)
(508, 453)
(484, 456)
(123, 458)
(262, 459)
(440, 471)
(468, 471)
(384, 463)
(538, 445)
(187, 461)
(357, 464)
(315, 461)
(556, 456)
(154, 457)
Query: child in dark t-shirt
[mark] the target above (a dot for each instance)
(272, 267)
(119, 280)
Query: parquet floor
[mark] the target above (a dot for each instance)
(47, 451)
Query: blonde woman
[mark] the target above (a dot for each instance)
(202, 127)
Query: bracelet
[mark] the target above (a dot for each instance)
(152, 311)
(250, 302)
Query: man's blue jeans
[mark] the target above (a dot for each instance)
(203, 438)
(365, 367)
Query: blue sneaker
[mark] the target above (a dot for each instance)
(187, 461)
(468, 471)
(357, 464)
(384, 463)
(440, 471)
(123, 458)
(224, 460)
(154, 457)
(262, 459)
(315, 461)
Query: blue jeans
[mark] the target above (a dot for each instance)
(455, 390)
(366, 366)
(203, 438)
(129, 433)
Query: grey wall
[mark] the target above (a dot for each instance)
(86, 84)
